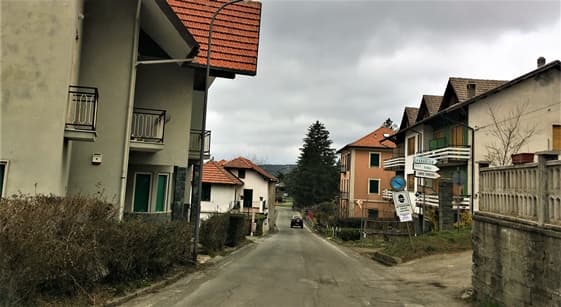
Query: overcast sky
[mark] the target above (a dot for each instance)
(352, 64)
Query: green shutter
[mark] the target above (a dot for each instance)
(162, 192)
(142, 192)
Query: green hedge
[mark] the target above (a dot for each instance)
(349, 234)
(213, 232)
(237, 229)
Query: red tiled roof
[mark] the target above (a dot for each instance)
(235, 37)
(214, 172)
(373, 140)
(243, 163)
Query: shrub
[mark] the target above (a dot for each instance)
(349, 222)
(349, 234)
(213, 232)
(237, 229)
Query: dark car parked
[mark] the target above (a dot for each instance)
(296, 221)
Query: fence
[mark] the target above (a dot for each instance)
(529, 191)
(82, 108)
(148, 125)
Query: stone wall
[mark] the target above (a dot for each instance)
(515, 261)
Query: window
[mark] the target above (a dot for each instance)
(410, 182)
(205, 193)
(142, 189)
(373, 186)
(241, 173)
(457, 136)
(411, 146)
(162, 193)
(374, 159)
(2, 176)
(556, 137)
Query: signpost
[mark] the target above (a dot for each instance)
(428, 175)
(425, 168)
(423, 160)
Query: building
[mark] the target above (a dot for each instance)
(364, 179)
(100, 97)
(221, 189)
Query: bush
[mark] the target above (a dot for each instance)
(349, 234)
(62, 246)
(237, 229)
(213, 232)
(349, 222)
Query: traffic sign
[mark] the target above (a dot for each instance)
(397, 183)
(424, 174)
(425, 167)
(402, 205)
(424, 160)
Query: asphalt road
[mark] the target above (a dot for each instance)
(295, 267)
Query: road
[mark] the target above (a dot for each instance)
(295, 267)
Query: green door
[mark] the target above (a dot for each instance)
(142, 192)
(2, 169)
(162, 192)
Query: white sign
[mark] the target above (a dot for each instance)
(402, 205)
(424, 174)
(423, 160)
(426, 167)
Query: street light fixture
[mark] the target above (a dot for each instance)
(198, 175)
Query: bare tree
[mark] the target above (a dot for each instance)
(509, 135)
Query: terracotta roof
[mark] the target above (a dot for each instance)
(243, 163)
(373, 140)
(235, 36)
(214, 172)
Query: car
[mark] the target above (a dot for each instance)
(296, 221)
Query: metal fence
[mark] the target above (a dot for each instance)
(82, 108)
(148, 125)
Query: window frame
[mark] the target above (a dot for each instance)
(370, 180)
(370, 159)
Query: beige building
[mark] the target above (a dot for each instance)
(104, 97)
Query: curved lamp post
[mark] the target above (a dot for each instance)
(199, 175)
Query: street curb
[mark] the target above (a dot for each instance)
(386, 259)
(174, 278)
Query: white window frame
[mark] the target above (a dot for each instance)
(370, 159)
(166, 200)
(6, 164)
(150, 205)
(379, 187)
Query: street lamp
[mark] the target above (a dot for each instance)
(197, 176)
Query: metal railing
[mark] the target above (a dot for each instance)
(394, 162)
(195, 142)
(448, 153)
(433, 200)
(148, 125)
(387, 194)
(82, 108)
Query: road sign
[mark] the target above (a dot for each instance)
(425, 167)
(397, 183)
(402, 205)
(423, 160)
(424, 174)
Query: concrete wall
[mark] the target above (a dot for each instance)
(221, 196)
(166, 87)
(40, 49)
(107, 52)
(516, 263)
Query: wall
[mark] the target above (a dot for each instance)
(107, 52)
(154, 170)
(40, 48)
(260, 187)
(515, 262)
(221, 196)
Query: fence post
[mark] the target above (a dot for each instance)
(543, 205)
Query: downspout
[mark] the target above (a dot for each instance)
(130, 107)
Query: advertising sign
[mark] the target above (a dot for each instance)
(402, 205)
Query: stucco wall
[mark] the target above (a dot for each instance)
(516, 263)
(154, 171)
(107, 52)
(220, 198)
(255, 182)
(40, 42)
(362, 172)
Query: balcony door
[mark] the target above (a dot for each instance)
(142, 185)
(247, 198)
(457, 138)
(556, 137)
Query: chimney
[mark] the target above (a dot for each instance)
(541, 61)
(470, 90)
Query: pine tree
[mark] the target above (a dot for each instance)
(315, 178)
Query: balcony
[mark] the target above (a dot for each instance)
(387, 195)
(395, 164)
(195, 144)
(147, 130)
(445, 153)
(81, 116)
(433, 201)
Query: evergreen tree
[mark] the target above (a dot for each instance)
(315, 178)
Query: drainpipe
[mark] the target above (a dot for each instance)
(130, 107)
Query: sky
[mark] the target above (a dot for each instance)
(352, 64)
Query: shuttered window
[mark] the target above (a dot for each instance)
(556, 137)
(411, 146)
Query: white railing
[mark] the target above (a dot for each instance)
(394, 162)
(433, 201)
(195, 142)
(148, 125)
(387, 194)
(516, 191)
(448, 153)
(82, 108)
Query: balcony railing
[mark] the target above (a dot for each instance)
(433, 201)
(195, 143)
(82, 108)
(397, 162)
(448, 153)
(148, 125)
(387, 194)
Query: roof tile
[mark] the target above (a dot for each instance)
(214, 172)
(243, 163)
(374, 138)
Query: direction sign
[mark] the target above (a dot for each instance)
(402, 205)
(424, 174)
(424, 160)
(426, 167)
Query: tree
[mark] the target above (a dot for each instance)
(509, 135)
(315, 178)
(388, 123)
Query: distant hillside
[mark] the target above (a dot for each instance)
(276, 169)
